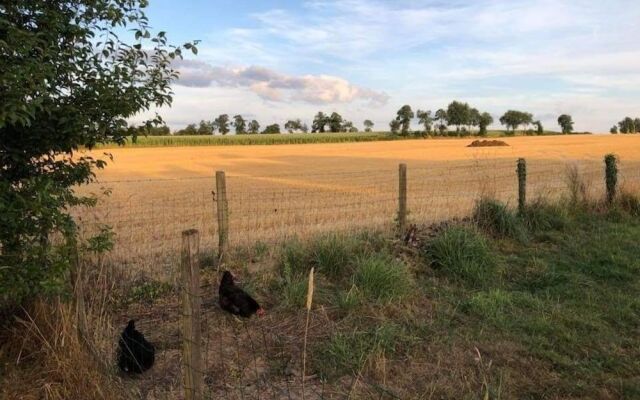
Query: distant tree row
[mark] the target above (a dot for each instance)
(222, 125)
(627, 125)
(332, 123)
(461, 116)
(457, 114)
(466, 119)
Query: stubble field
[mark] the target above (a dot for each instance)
(281, 191)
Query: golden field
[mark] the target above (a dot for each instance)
(280, 191)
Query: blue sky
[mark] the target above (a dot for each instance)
(276, 60)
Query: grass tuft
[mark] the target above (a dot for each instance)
(333, 254)
(381, 278)
(543, 216)
(347, 353)
(463, 254)
(629, 202)
(496, 219)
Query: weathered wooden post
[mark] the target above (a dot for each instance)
(192, 369)
(402, 197)
(223, 216)
(522, 185)
(611, 176)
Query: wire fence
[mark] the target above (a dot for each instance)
(258, 358)
(147, 216)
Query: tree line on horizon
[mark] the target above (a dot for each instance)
(466, 120)
(627, 125)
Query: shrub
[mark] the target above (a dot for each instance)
(496, 219)
(463, 254)
(382, 278)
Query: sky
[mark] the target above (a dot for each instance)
(279, 60)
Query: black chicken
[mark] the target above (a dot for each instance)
(136, 353)
(235, 300)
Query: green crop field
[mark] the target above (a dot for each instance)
(284, 138)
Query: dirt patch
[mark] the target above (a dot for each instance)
(487, 143)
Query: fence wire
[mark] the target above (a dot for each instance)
(257, 358)
(147, 216)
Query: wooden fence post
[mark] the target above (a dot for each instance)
(192, 369)
(522, 185)
(611, 176)
(223, 216)
(402, 197)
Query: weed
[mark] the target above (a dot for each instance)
(148, 291)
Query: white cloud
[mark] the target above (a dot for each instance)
(274, 86)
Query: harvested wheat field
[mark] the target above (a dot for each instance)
(280, 191)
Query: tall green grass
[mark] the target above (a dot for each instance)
(495, 218)
(381, 278)
(463, 254)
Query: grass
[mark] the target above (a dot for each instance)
(469, 314)
(495, 218)
(382, 278)
(542, 215)
(461, 253)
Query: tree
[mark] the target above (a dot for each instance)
(254, 126)
(205, 128)
(222, 123)
(636, 123)
(441, 117)
(295, 125)
(240, 124)
(566, 123)
(627, 125)
(458, 114)
(394, 125)
(346, 126)
(474, 117)
(404, 116)
(425, 119)
(319, 122)
(67, 82)
(614, 129)
(539, 127)
(335, 122)
(513, 119)
(485, 119)
(189, 130)
(304, 128)
(368, 125)
(273, 128)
